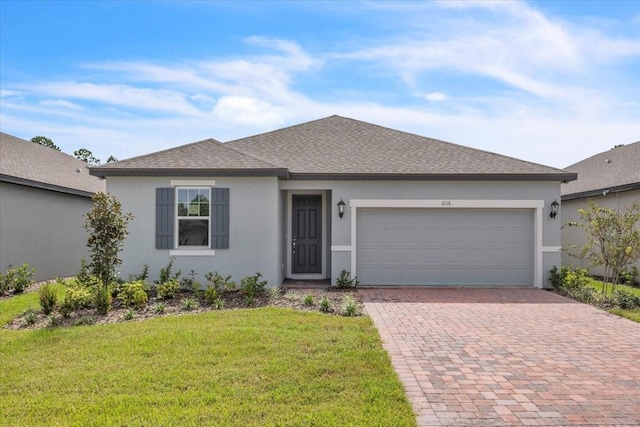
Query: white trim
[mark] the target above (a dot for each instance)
(176, 243)
(536, 205)
(341, 248)
(192, 252)
(192, 183)
(552, 249)
(446, 204)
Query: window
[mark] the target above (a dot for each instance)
(193, 217)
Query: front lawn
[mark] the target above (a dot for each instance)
(263, 366)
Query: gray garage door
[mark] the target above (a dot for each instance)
(445, 247)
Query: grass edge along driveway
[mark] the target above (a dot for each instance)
(266, 366)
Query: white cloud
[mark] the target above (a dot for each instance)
(60, 103)
(248, 111)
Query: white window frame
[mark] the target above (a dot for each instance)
(177, 245)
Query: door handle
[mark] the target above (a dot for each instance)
(293, 245)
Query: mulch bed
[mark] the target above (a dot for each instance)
(291, 298)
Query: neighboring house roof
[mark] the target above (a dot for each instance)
(26, 163)
(201, 158)
(341, 148)
(615, 170)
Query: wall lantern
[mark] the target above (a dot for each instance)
(341, 206)
(554, 209)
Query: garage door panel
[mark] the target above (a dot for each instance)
(445, 246)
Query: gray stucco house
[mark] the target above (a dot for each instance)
(417, 211)
(43, 196)
(611, 179)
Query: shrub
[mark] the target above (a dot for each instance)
(344, 281)
(625, 299)
(103, 300)
(168, 289)
(17, 279)
(85, 320)
(568, 278)
(309, 300)
(30, 316)
(165, 272)
(325, 304)
(275, 292)
(349, 306)
(221, 283)
(77, 297)
(134, 294)
(144, 275)
(189, 304)
(54, 320)
(48, 298)
(159, 308)
(218, 304)
(129, 314)
(191, 283)
(252, 286)
(211, 294)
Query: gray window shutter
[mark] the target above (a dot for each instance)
(219, 218)
(165, 211)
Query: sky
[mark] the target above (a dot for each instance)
(551, 82)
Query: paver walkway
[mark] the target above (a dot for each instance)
(493, 357)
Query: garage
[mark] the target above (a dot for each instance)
(445, 247)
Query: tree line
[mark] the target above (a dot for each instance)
(81, 154)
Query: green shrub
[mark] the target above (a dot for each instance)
(159, 308)
(54, 320)
(48, 298)
(252, 286)
(349, 306)
(189, 304)
(168, 289)
(325, 304)
(568, 278)
(190, 283)
(144, 275)
(165, 272)
(344, 281)
(30, 316)
(17, 279)
(103, 300)
(134, 294)
(625, 299)
(218, 304)
(275, 292)
(211, 294)
(221, 283)
(309, 300)
(78, 297)
(129, 314)
(85, 320)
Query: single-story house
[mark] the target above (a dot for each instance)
(612, 180)
(308, 201)
(44, 194)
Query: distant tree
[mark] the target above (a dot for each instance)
(43, 140)
(86, 156)
(112, 159)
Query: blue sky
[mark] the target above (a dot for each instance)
(549, 82)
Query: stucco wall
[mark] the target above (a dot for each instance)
(575, 236)
(434, 190)
(42, 228)
(254, 212)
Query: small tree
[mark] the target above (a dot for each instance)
(613, 238)
(43, 140)
(107, 227)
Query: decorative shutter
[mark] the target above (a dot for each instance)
(219, 218)
(165, 211)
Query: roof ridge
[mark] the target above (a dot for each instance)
(618, 147)
(284, 128)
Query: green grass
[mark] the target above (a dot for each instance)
(16, 305)
(267, 366)
(629, 314)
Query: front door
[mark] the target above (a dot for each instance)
(306, 243)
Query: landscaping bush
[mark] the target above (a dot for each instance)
(103, 300)
(325, 304)
(48, 298)
(17, 279)
(625, 299)
(220, 283)
(168, 289)
(165, 272)
(568, 278)
(349, 306)
(252, 286)
(134, 294)
(344, 281)
(78, 296)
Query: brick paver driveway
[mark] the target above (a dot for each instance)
(509, 357)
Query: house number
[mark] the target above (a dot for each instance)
(446, 203)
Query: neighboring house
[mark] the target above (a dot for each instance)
(612, 180)
(417, 211)
(43, 196)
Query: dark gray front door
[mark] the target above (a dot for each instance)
(306, 244)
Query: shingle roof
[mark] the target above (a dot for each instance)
(334, 147)
(198, 158)
(613, 170)
(339, 145)
(26, 163)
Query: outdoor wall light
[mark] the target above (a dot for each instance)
(554, 209)
(341, 206)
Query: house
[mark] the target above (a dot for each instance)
(612, 180)
(43, 196)
(310, 200)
